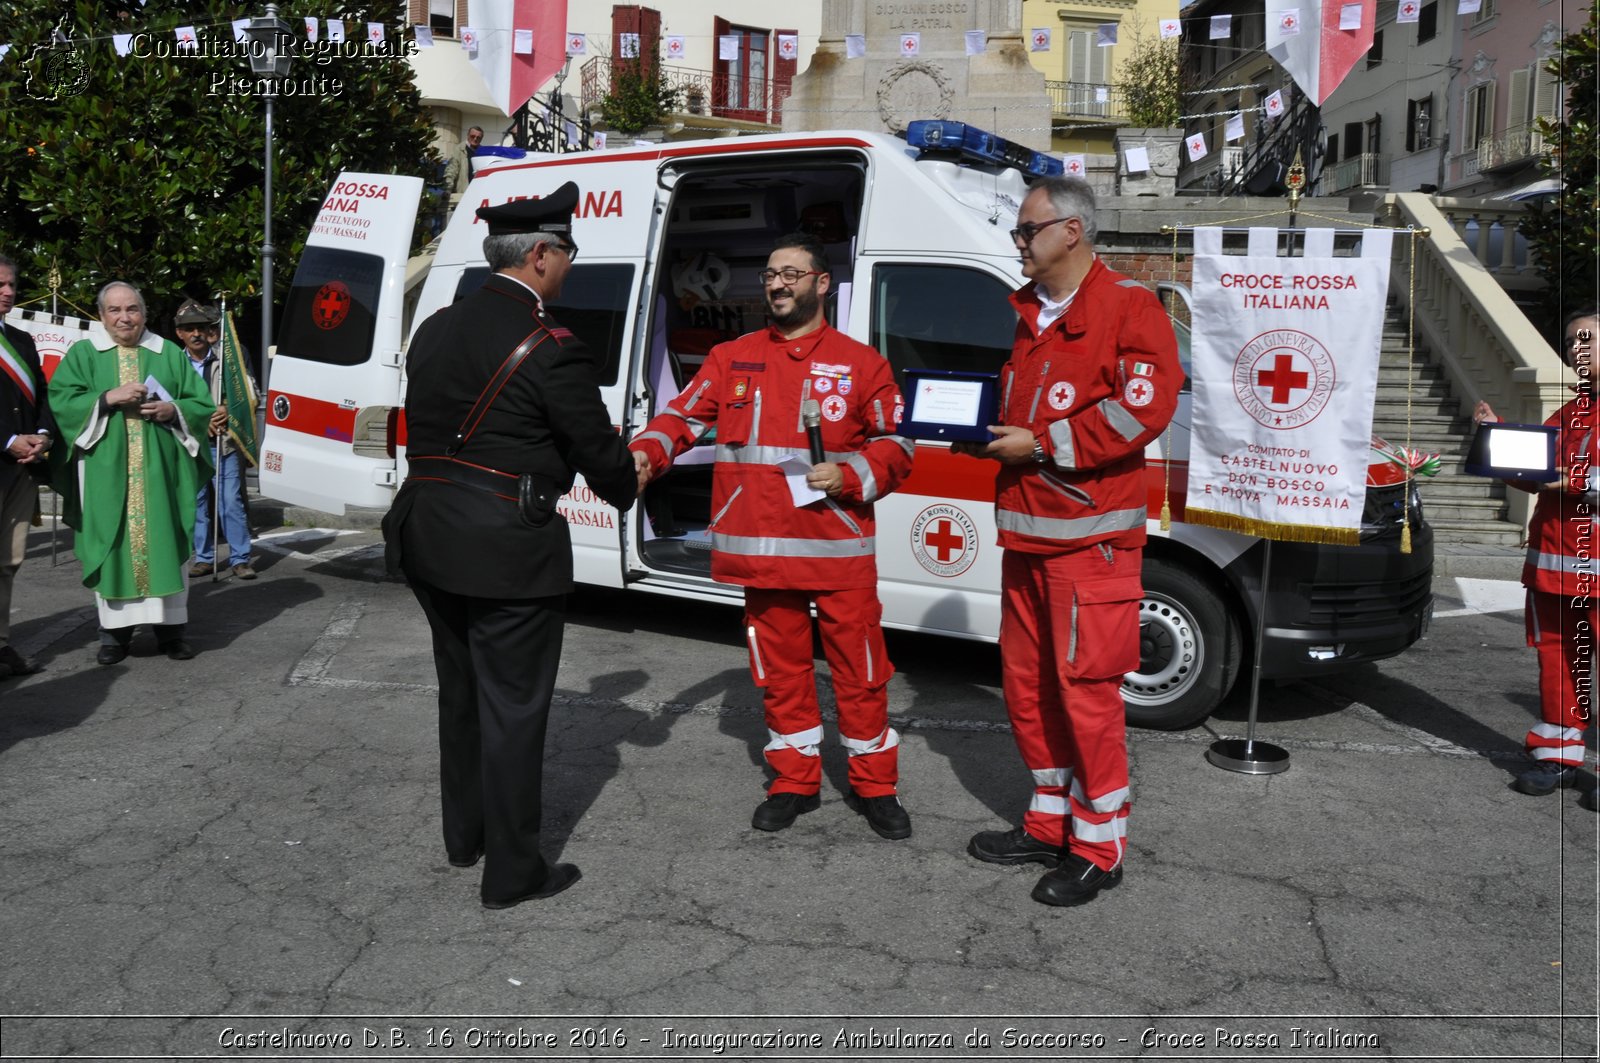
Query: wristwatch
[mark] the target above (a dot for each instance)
(1038, 453)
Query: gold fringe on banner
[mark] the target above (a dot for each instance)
(1269, 529)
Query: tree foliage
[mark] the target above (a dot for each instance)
(1149, 80)
(1563, 235)
(152, 171)
(639, 95)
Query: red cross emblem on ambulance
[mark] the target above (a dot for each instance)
(331, 305)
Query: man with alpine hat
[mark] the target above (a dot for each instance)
(502, 409)
(196, 323)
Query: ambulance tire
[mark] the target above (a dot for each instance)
(1189, 650)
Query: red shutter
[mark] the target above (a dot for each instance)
(719, 66)
(624, 19)
(650, 34)
(783, 71)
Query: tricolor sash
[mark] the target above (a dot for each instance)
(18, 370)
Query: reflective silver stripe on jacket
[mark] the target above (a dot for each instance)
(1117, 415)
(661, 438)
(905, 444)
(687, 404)
(759, 546)
(1061, 440)
(754, 455)
(838, 511)
(1562, 563)
(1077, 528)
(869, 482)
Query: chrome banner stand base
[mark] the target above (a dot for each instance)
(1245, 755)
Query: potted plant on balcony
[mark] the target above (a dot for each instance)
(1148, 79)
(695, 98)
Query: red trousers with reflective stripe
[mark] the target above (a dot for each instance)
(1561, 629)
(1068, 633)
(778, 633)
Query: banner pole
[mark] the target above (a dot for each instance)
(1247, 756)
(216, 449)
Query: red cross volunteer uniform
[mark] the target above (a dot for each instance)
(751, 390)
(1560, 574)
(1093, 386)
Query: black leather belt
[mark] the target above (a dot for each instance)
(466, 474)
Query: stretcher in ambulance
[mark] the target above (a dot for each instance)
(671, 238)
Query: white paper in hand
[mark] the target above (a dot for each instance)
(795, 469)
(154, 392)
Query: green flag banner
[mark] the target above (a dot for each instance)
(238, 394)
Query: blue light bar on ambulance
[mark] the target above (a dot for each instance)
(970, 142)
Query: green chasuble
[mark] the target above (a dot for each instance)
(133, 507)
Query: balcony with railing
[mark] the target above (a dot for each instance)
(707, 93)
(1085, 102)
(1510, 148)
(1367, 170)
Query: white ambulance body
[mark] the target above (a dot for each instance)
(670, 240)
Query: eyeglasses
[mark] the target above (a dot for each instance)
(789, 275)
(570, 248)
(1029, 229)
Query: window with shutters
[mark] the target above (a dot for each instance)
(1088, 70)
(741, 80)
(1373, 142)
(1428, 22)
(1518, 99)
(442, 17)
(1419, 124)
(1478, 121)
(1547, 92)
(1485, 12)
(1352, 139)
(1375, 53)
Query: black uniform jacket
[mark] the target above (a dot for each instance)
(18, 416)
(548, 419)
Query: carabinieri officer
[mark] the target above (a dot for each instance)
(502, 409)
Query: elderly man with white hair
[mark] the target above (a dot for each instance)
(129, 465)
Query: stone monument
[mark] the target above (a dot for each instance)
(997, 89)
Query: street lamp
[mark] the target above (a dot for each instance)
(270, 54)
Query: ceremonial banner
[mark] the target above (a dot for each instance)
(238, 393)
(1285, 373)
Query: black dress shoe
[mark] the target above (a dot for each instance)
(1076, 881)
(178, 650)
(560, 877)
(468, 861)
(110, 654)
(1014, 846)
(14, 663)
(781, 810)
(1545, 777)
(885, 815)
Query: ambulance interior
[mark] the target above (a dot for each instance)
(719, 231)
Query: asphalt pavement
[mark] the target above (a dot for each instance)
(239, 856)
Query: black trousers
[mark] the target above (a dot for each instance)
(497, 660)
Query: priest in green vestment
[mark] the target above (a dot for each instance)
(130, 461)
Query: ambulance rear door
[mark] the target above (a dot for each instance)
(333, 387)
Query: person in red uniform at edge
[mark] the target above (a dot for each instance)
(1560, 574)
(752, 390)
(1093, 377)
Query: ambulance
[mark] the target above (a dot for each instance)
(671, 238)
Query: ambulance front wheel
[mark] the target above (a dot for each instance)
(1189, 649)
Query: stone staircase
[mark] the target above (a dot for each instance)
(1462, 509)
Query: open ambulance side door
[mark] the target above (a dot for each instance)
(334, 398)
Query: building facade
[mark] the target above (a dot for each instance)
(1081, 72)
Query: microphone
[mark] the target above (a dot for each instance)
(811, 415)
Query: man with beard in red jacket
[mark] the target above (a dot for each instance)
(787, 557)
